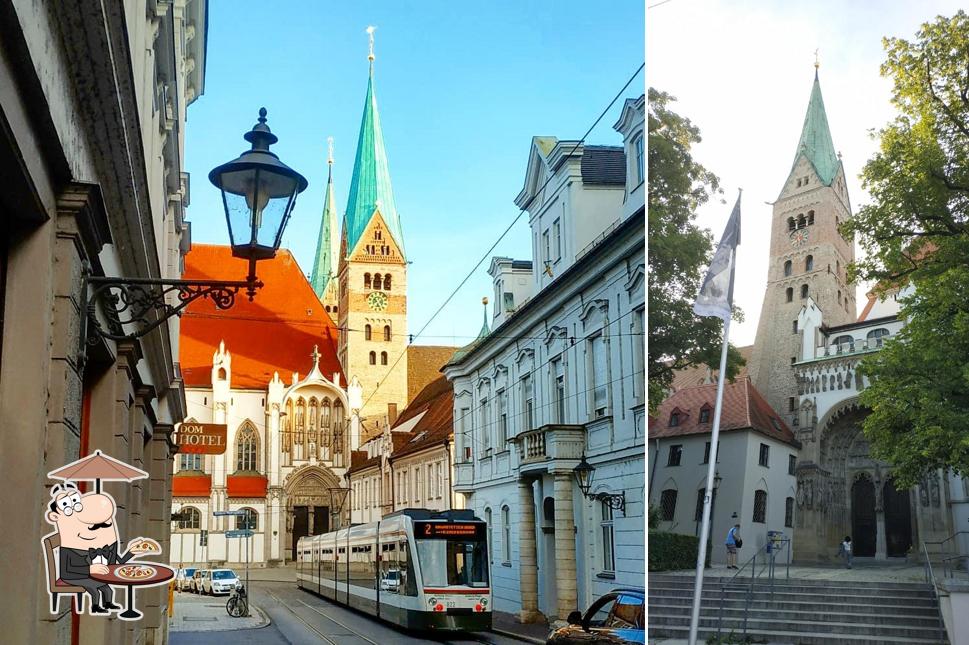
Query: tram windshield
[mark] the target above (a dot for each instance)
(453, 562)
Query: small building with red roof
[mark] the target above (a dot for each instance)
(758, 452)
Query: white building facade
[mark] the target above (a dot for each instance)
(559, 377)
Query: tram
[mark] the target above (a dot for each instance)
(420, 569)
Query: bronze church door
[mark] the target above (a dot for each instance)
(898, 520)
(301, 525)
(321, 520)
(864, 526)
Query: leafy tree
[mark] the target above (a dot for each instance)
(916, 234)
(679, 252)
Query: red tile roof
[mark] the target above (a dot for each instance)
(743, 409)
(275, 332)
(702, 375)
(191, 485)
(359, 461)
(246, 485)
(424, 363)
(436, 426)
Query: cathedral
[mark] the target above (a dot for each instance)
(301, 375)
(804, 364)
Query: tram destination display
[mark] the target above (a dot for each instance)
(450, 530)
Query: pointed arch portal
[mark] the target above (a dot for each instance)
(308, 502)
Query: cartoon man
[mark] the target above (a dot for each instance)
(89, 541)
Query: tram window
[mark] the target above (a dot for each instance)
(453, 562)
(389, 573)
(406, 567)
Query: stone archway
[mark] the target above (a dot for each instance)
(307, 503)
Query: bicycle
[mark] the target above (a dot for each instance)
(237, 605)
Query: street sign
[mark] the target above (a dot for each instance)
(201, 438)
(224, 513)
(239, 533)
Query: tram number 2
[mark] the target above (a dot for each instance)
(427, 529)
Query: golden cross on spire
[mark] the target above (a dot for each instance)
(817, 61)
(329, 146)
(370, 31)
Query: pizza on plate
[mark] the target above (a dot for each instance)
(144, 545)
(135, 572)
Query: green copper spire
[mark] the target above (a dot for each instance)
(370, 188)
(328, 243)
(484, 325)
(816, 143)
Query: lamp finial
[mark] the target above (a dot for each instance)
(370, 30)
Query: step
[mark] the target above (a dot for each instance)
(798, 638)
(818, 614)
(870, 629)
(927, 607)
(677, 581)
(788, 595)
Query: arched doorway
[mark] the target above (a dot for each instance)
(864, 526)
(308, 503)
(898, 520)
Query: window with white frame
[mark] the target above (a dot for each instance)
(557, 238)
(191, 519)
(246, 448)
(558, 389)
(546, 247)
(406, 488)
(430, 484)
(248, 521)
(463, 423)
(189, 462)
(599, 373)
(639, 355)
(505, 534)
(640, 148)
(528, 403)
(417, 483)
(502, 403)
(440, 479)
(608, 538)
(485, 426)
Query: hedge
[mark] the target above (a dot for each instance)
(669, 551)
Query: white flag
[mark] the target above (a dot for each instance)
(716, 294)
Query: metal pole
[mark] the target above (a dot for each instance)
(248, 546)
(711, 470)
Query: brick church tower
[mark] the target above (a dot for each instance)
(808, 258)
(372, 275)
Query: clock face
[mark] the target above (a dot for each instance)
(377, 300)
(799, 237)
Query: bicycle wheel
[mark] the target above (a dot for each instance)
(234, 607)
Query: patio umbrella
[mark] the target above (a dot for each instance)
(97, 467)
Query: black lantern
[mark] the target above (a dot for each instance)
(258, 193)
(584, 473)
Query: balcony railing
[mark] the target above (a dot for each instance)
(550, 442)
(857, 347)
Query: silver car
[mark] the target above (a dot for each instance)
(183, 580)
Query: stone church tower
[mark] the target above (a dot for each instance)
(808, 258)
(372, 275)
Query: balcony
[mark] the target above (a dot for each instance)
(541, 448)
(464, 477)
(849, 349)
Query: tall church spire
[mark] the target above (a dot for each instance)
(370, 188)
(815, 142)
(328, 244)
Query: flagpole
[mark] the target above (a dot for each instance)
(711, 469)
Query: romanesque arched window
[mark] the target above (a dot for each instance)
(810, 218)
(248, 521)
(367, 332)
(791, 224)
(790, 294)
(845, 343)
(383, 358)
(801, 222)
(373, 358)
(387, 282)
(788, 267)
(875, 337)
(809, 263)
(366, 280)
(804, 291)
(246, 441)
(376, 281)
(387, 332)
(191, 519)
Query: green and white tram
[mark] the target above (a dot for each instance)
(419, 569)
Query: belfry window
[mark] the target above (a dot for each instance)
(367, 332)
(790, 294)
(810, 218)
(373, 358)
(809, 263)
(791, 225)
(376, 281)
(366, 280)
(387, 332)
(804, 291)
(387, 282)
(788, 267)
(383, 358)
(801, 222)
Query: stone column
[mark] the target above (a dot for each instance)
(564, 545)
(527, 555)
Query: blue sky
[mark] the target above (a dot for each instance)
(462, 87)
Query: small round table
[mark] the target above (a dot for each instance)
(162, 574)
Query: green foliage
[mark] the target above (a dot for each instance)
(653, 517)
(679, 252)
(733, 639)
(672, 551)
(916, 232)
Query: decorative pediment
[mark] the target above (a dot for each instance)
(595, 312)
(555, 333)
(462, 394)
(636, 283)
(483, 383)
(526, 353)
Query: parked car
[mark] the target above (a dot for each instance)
(390, 581)
(617, 618)
(183, 580)
(197, 578)
(220, 581)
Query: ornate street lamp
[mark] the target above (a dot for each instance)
(584, 473)
(258, 194)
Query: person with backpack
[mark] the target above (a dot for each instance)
(845, 550)
(734, 542)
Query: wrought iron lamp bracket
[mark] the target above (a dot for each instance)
(613, 501)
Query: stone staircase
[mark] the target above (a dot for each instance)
(802, 612)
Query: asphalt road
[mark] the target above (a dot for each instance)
(299, 617)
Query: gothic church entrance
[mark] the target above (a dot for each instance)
(864, 526)
(898, 520)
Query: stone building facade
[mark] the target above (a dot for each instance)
(93, 99)
(561, 376)
(808, 257)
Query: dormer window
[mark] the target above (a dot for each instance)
(675, 418)
(705, 414)
(639, 148)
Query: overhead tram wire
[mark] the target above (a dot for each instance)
(504, 233)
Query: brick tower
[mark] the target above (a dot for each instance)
(808, 258)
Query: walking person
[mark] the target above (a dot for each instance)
(845, 550)
(733, 543)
